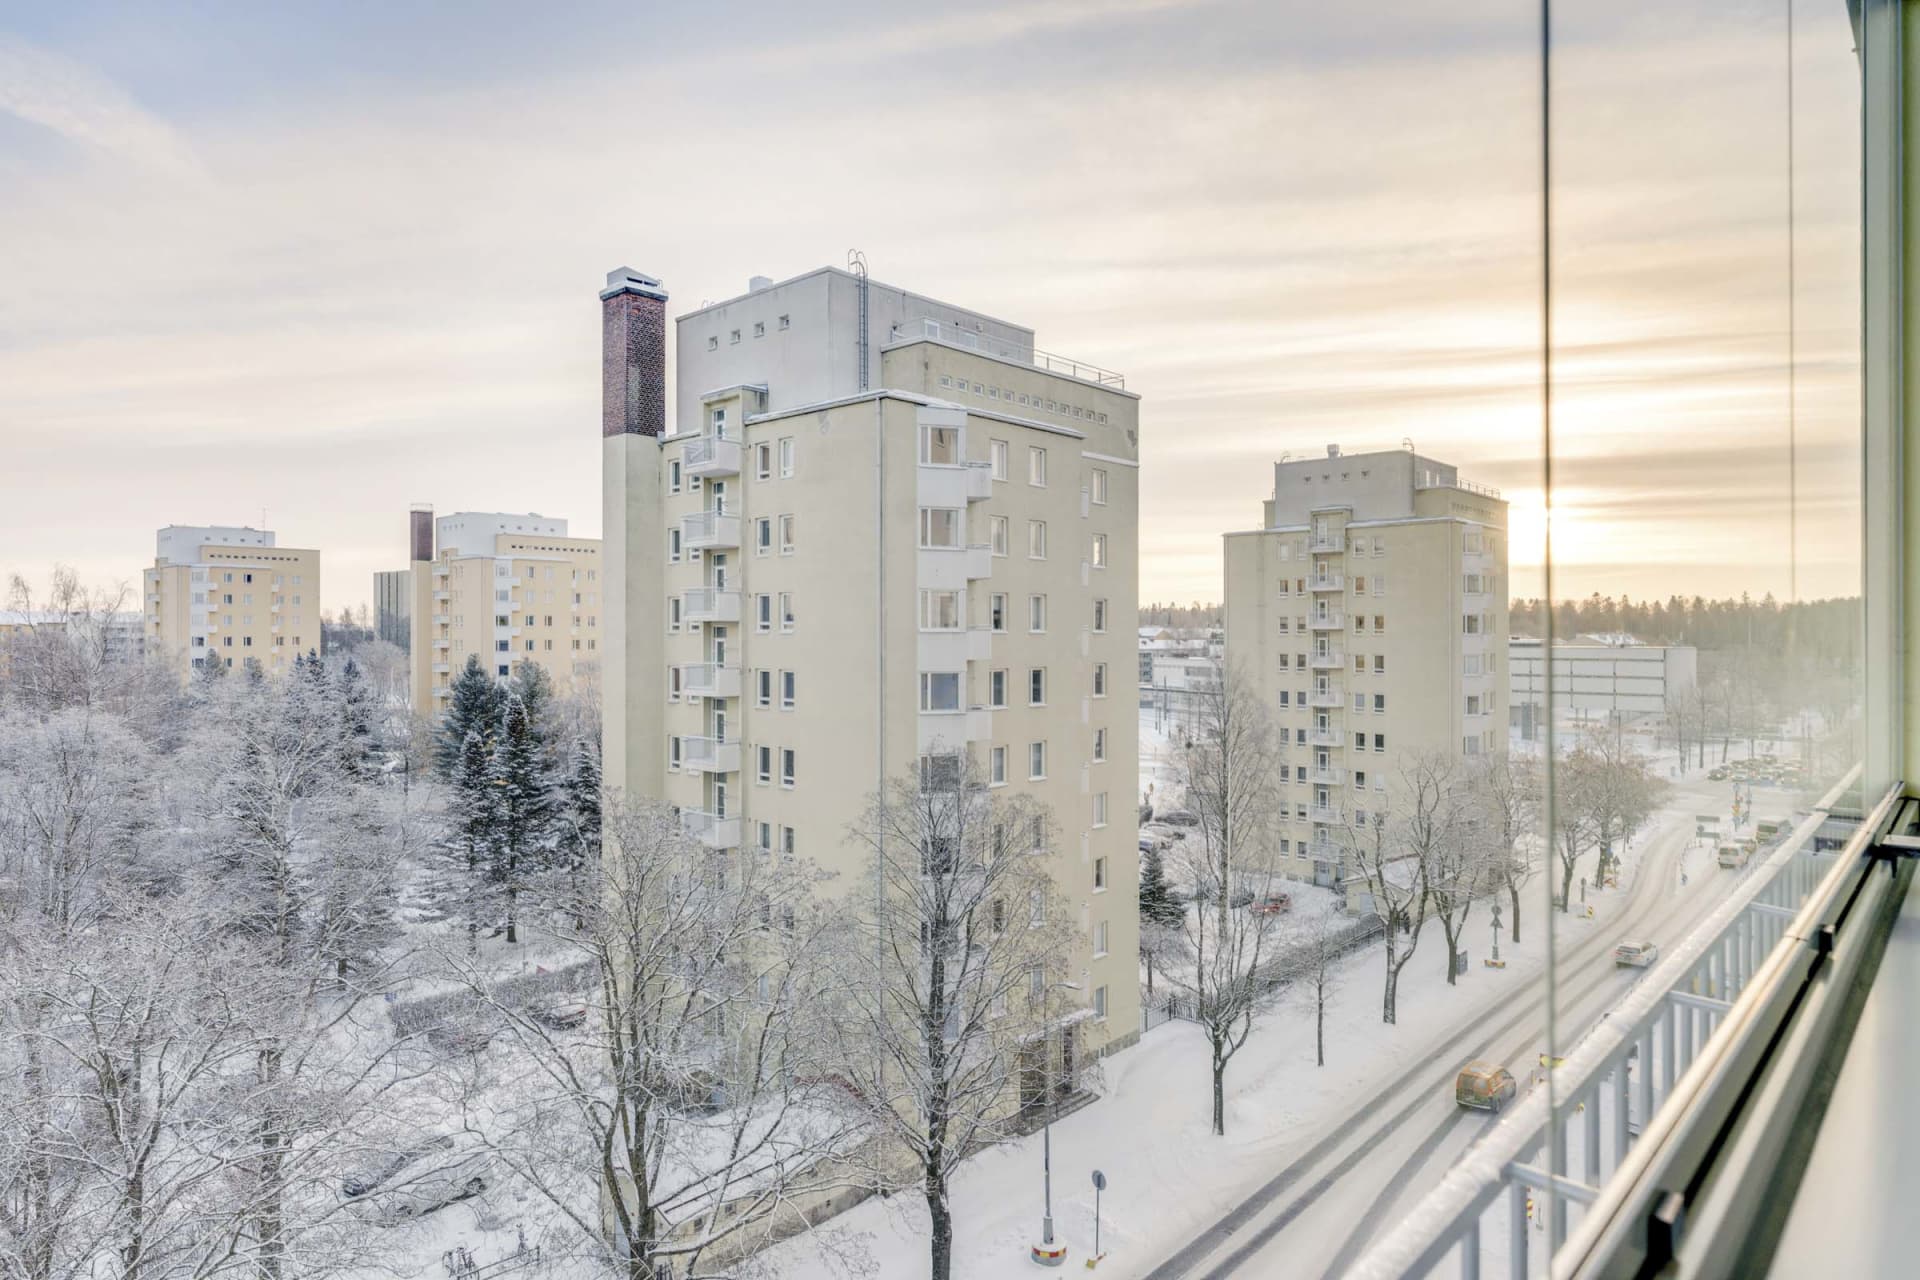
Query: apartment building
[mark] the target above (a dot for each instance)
(505, 588)
(883, 528)
(1369, 613)
(230, 596)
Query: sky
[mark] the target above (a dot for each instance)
(307, 265)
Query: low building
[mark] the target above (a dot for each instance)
(1608, 677)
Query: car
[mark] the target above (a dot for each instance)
(434, 1186)
(1484, 1086)
(565, 1015)
(1733, 856)
(1272, 904)
(383, 1168)
(1635, 955)
(1180, 818)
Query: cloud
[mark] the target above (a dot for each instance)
(79, 104)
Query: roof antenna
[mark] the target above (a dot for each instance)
(1406, 442)
(857, 264)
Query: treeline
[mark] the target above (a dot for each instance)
(1823, 631)
(1180, 615)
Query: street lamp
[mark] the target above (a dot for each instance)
(1047, 1253)
(1496, 931)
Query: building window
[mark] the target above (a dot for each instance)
(1036, 908)
(1099, 550)
(759, 328)
(763, 462)
(940, 527)
(1099, 487)
(673, 613)
(939, 610)
(786, 535)
(787, 684)
(1379, 664)
(713, 342)
(1100, 820)
(1037, 687)
(786, 457)
(1100, 1003)
(786, 610)
(673, 476)
(733, 338)
(997, 534)
(1099, 745)
(1036, 614)
(1036, 760)
(940, 446)
(764, 762)
(786, 322)
(1379, 742)
(997, 456)
(1036, 466)
(1036, 539)
(762, 535)
(997, 767)
(997, 688)
(763, 612)
(673, 751)
(764, 691)
(997, 611)
(1099, 679)
(786, 768)
(1099, 617)
(939, 690)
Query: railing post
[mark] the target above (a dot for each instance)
(1517, 1226)
(1619, 1112)
(1591, 1139)
(1470, 1251)
(1646, 1076)
(1666, 1051)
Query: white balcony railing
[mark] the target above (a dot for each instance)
(1325, 698)
(1325, 738)
(710, 680)
(704, 604)
(979, 561)
(979, 644)
(1327, 582)
(710, 456)
(1327, 777)
(1326, 543)
(1325, 813)
(710, 755)
(1331, 620)
(713, 830)
(1331, 660)
(979, 481)
(704, 529)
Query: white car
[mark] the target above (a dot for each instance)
(1636, 955)
(427, 1185)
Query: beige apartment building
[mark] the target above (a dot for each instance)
(504, 588)
(1369, 612)
(884, 528)
(230, 596)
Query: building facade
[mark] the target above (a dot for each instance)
(230, 596)
(393, 605)
(504, 588)
(1369, 614)
(1607, 678)
(884, 528)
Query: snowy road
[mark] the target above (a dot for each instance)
(1316, 1215)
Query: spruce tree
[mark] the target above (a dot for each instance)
(474, 707)
(356, 718)
(528, 811)
(583, 807)
(476, 825)
(1157, 903)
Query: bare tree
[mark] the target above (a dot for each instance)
(691, 1115)
(1230, 862)
(1575, 777)
(955, 943)
(1315, 939)
(1451, 843)
(1620, 793)
(1507, 788)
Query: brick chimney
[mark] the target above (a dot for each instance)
(420, 532)
(633, 355)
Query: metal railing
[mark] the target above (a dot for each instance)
(1622, 1075)
(987, 344)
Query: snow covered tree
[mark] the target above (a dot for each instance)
(580, 815)
(1157, 902)
(952, 946)
(1231, 859)
(527, 810)
(474, 829)
(1315, 939)
(1450, 842)
(1506, 789)
(475, 704)
(693, 1108)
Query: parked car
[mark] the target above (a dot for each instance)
(416, 1193)
(1484, 1086)
(383, 1168)
(1635, 955)
(1180, 818)
(1273, 904)
(1733, 856)
(565, 1015)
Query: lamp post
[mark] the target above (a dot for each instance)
(1496, 931)
(1047, 1252)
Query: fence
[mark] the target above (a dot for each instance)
(1168, 1005)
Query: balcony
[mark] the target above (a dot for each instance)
(979, 481)
(979, 644)
(1324, 698)
(979, 724)
(1328, 544)
(710, 755)
(441, 667)
(1331, 620)
(704, 604)
(715, 831)
(1325, 738)
(443, 642)
(443, 596)
(1331, 660)
(1327, 582)
(1325, 813)
(705, 530)
(711, 456)
(1329, 776)
(979, 562)
(710, 680)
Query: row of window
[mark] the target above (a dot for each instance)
(1007, 395)
(1360, 702)
(759, 331)
(1300, 586)
(940, 690)
(200, 575)
(246, 642)
(542, 646)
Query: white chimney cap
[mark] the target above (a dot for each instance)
(756, 283)
(1333, 451)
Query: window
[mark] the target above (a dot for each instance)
(786, 322)
(997, 767)
(1099, 679)
(1036, 614)
(1037, 466)
(940, 446)
(1099, 820)
(1036, 760)
(673, 751)
(786, 610)
(673, 476)
(997, 688)
(786, 457)
(1379, 664)
(1037, 687)
(1098, 485)
(939, 690)
(720, 421)
(763, 612)
(734, 337)
(786, 767)
(759, 328)
(1473, 704)
(713, 342)
(762, 535)
(940, 527)
(1100, 1002)
(764, 769)
(1099, 616)
(673, 613)
(788, 682)
(997, 457)
(939, 610)
(997, 610)
(786, 535)
(1470, 624)
(786, 841)
(1379, 742)
(1036, 907)
(1099, 745)
(1036, 539)
(1379, 623)
(763, 462)
(1099, 550)
(763, 687)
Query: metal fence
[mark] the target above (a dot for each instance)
(1168, 1005)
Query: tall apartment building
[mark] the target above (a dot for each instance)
(230, 596)
(505, 588)
(884, 527)
(1369, 612)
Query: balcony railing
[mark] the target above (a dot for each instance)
(713, 830)
(710, 755)
(1327, 582)
(1325, 698)
(1325, 738)
(705, 604)
(711, 456)
(1331, 660)
(1325, 813)
(704, 529)
(1326, 543)
(979, 561)
(969, 340)
(1332, 620)
(1328, 777)
(979, 481)
(710, 680)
